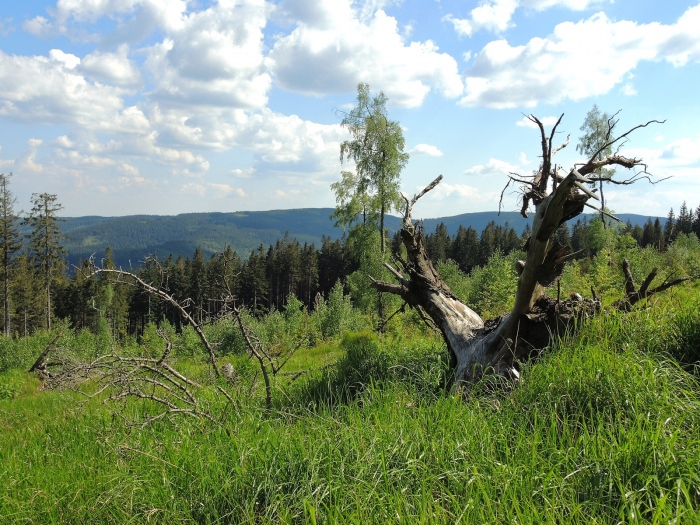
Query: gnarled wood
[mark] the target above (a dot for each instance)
(499, 344)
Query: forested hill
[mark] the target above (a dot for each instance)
(135, 236)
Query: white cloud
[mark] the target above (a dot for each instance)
(628, 90)
(68, 60)
(446, 196)
(679, 159)
(112, 68)
(132, 171)
(63, 141)
(493, 167)
(214, 58)
(193, 188)
(332, 49)
(558, 67)
(166, 14)
(226, 190)
(6, 26)
(38, 26)
(527, 123)
(246, 173)
(574, 5)
(27, 162)
(494, 16)
(426, 149)
(40, 89)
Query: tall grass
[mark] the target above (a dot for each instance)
(604, 429)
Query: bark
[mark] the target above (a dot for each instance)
(500, 344)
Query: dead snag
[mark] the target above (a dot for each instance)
(499, 345)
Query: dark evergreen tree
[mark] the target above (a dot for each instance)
(254, 282)
(26, 296)
(669, 229)
(563, 236)
(637, 233)
(658, 235)
(196, 285)
(684, 224)
(438, 245)
(579, 237)
(465, 248)
(10, 244)
(307, 286)
(489, 242)
(511, 240)
(45, 244)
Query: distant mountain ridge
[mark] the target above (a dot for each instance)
(133, 237)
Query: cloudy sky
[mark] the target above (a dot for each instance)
(171, 106)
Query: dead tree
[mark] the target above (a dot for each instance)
(500, 344)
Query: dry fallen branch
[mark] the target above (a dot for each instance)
(134, 279)
(153, 380)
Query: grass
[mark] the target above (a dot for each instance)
(604, 429)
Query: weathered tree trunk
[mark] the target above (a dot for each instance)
(498, 345)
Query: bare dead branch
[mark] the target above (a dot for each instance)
(170, 300)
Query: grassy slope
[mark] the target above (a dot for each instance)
(604, 429)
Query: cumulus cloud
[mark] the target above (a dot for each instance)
(332, 49)
(215, 58)
(225, 190)
(27, 162)
(166, 14)
(112, 68)
(6, 26)
(193, 188)
(493, 167)
(496, 15)
(287, 141)
(574, 5)
(558, 67)
(527, 123)
(50, 90)
(243, 173)
(38, 26)
(448, 195)
(426, 149)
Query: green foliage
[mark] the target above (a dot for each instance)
(337, 313)
(13, 383)
(488, 290)
(376, 148)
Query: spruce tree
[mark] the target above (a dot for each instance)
(9, 243)
(45, 244)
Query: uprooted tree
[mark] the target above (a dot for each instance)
(499, 345)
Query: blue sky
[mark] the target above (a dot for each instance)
(171, 106)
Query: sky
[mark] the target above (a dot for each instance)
(125, 107)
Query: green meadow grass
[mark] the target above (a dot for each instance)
(604, 428)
